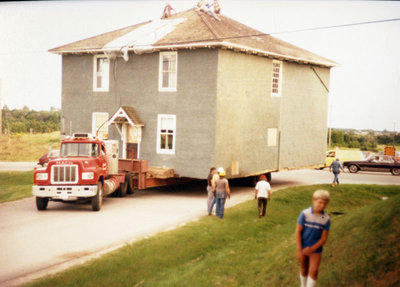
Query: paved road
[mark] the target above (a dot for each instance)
(34, 243)
(17, 166)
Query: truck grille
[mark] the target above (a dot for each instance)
(64, 174)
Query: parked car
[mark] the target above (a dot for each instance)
(44, 159)
(375, 163)
(343, 155)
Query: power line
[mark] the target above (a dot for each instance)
(337, 26)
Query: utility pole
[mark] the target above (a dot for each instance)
(1, 109)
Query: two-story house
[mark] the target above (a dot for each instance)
(193, 91)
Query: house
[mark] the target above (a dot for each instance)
(194, 90)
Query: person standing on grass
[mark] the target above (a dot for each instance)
(222, 191)
(210, 194)
(263, 194)
(214, 200)
(335, 166)
(311, 234)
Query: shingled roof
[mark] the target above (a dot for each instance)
(193, 29)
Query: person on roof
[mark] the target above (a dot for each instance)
(167, 11)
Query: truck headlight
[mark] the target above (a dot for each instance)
(87, 175)
(42, 176)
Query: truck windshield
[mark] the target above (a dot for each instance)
(79, 149)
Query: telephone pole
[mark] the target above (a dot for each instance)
(1, 109)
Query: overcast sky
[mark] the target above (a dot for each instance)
(364, 89)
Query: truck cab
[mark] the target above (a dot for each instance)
(79, 173)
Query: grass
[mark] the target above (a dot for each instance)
(27, 147)
(242, 250)
(15, 185)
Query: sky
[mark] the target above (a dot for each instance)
(364, 90)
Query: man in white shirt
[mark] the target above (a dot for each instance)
(262, 193)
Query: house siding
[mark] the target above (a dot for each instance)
(245, 112)
(223, 109)
(303, 116)
(135, 83)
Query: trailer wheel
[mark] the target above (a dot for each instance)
(98, 199)
(41, 203)
(123, 187)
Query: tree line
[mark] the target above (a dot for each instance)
(25, 120)
(366, 140)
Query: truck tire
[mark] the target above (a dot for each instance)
(123, 187)
(395, 171)
(130, 190)
(98, 199)
(353, 168)
(41, 203)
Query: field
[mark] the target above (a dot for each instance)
(15, 185)
(243, 250)
(27, 147)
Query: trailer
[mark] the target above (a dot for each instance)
(89, 168)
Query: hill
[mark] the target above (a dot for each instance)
(243, 250)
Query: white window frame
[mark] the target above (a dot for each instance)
(103, 132)
(171, 118)
(172, 87)
(276, 88)
(105, 74)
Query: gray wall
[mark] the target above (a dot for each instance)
(223, 109)
(245, 112)
(303, 116)
(135, 83)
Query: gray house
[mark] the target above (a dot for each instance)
(196, 90)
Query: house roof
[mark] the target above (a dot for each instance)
(193, 29)
(126, 114)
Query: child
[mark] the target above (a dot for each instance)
(263, 194)
(311, 234)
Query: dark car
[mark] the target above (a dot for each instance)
(44, 159)
(375, 163)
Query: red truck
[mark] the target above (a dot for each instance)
(89, 168)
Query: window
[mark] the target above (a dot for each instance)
(167, 78)
(166, 134)
(101, 72)
(272, 137)
(100, 125)
(276, 78)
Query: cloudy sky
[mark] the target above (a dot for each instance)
(364, 89)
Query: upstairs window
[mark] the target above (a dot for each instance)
(101, 73)
(168, 71)
(166, 134)
(276, 78)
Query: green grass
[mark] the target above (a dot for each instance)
(27, 147)
(243, 250)
(15, 185)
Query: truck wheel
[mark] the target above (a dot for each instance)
(41, 203)
(123, 187)
(98, 199)
(395, 171)
(353, 168)
(269, 176)
(130, 190)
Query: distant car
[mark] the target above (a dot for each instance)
(375, 163)
(44, 159)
